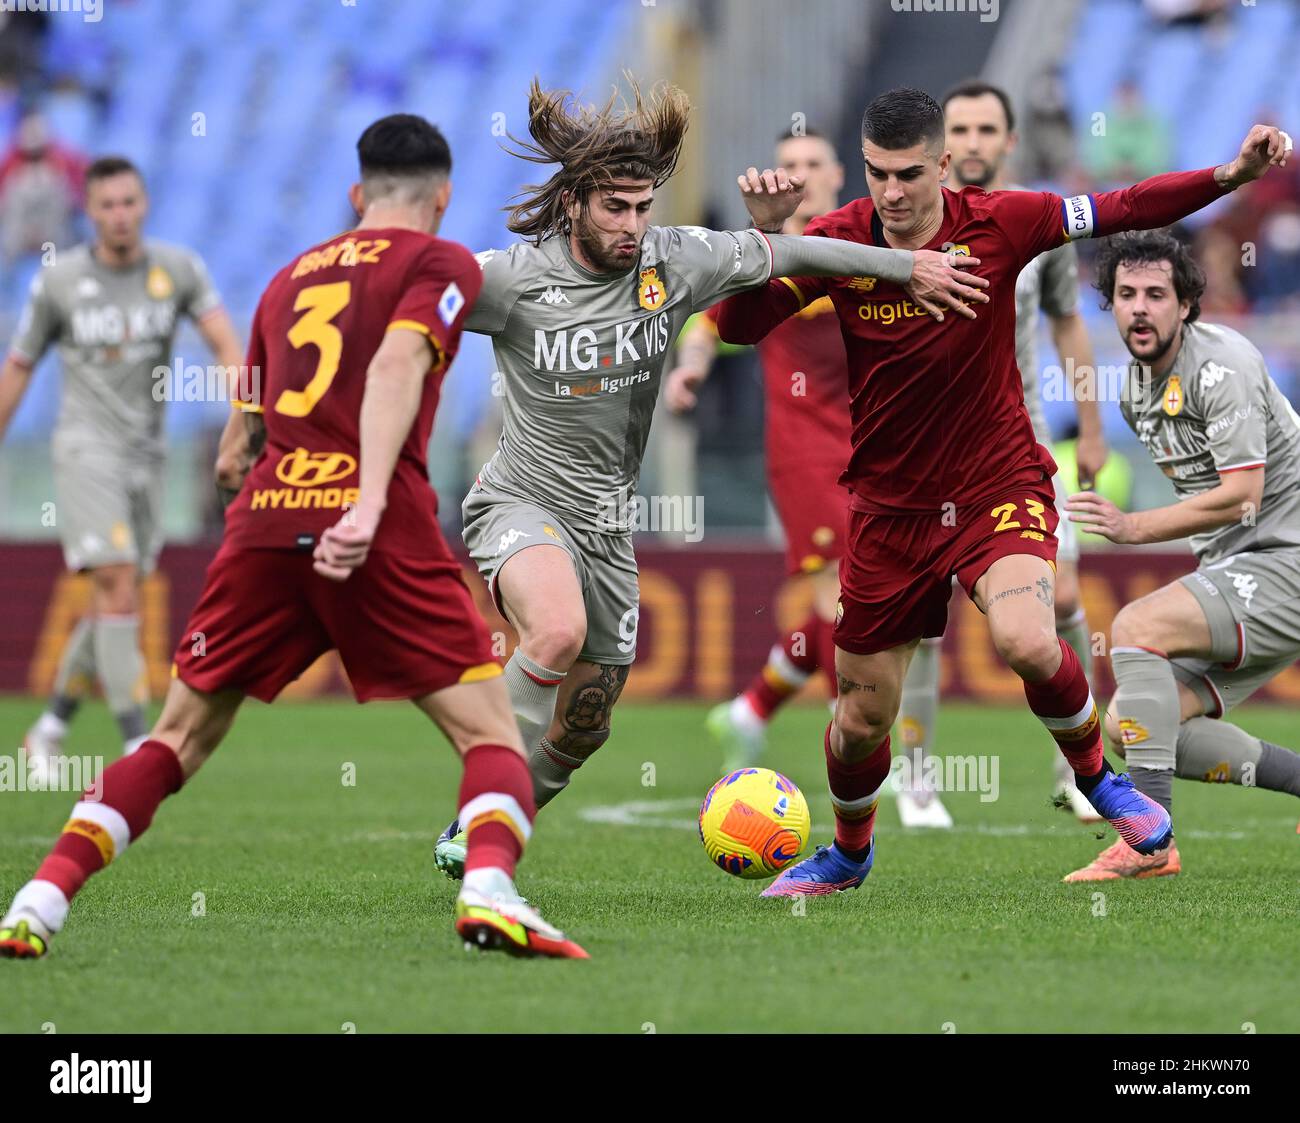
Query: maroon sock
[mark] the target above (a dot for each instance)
(497, 808)
(770, 689)
(133, 787)
(855, 792)
(1064, 704)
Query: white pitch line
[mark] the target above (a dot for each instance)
(654, 812)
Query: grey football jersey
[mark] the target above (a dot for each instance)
(1218, 410)
(1051, 283)
(579, 356)
(113, 327)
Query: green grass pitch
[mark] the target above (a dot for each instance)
(322, 909)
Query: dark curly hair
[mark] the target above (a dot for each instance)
(1139, 247)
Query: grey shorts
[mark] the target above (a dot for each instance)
(1252, 603)
(1067, 537)
(499, 526)
(108, 509)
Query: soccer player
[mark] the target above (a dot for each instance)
(112, 307)
(980, 134)
(805, 385)
(946, 476)
(333, 542)
(1201, 400)
(583, 316)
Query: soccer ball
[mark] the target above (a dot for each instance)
(754, 822)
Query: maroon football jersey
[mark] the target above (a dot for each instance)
(318, 325)
(938, 409)
(805, 389)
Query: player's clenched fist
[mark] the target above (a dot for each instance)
(345, 546)
(1264, 147)
(770, 196)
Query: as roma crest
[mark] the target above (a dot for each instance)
(650, 293)
(1174, 396)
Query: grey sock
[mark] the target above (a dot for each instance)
(533, 701)
(552, 770)
(1216, 752)
(1075, 632)
(121, 671)
(1279, 769)
(76, 671)
(918, 705)
(1146, 704)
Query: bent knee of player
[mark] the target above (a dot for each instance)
(1111, 725)
(862, 727)
(1032, 652)
(555, 642)
(1133, 628)
(116, 589)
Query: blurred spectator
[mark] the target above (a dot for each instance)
(1187, 13)
(41, 185)
(1046, 153)
(22, 46)
(1137, 143)
(1220, 256)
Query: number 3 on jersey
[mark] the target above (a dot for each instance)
(320, 304)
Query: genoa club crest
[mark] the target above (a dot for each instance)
(1174, 396)
(650, 293)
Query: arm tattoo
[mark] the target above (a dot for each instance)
(1009, 593)
(847, 684)
(1044, 593)
(256, 425)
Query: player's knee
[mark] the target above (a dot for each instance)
(555, 643)
(861, 731)
(115, 590)
(1032, 653)
(1129, 629)
(1111, 725)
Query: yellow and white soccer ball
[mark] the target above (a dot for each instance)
(754, 822)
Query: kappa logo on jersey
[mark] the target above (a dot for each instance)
(1245, 585)
(650, 293)
(553, 295)
(301, 468)
(453, 300)
(87, 287)
(484, 256)
(1212, 374)
(1174, 396)
(509, 538)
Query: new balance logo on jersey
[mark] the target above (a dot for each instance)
(1245, 585)
(553, 295)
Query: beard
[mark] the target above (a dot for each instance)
(1160, 348)
(983, 175)
(605, 258)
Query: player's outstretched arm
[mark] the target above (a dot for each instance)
(1164, 199)
(696, 350)
(1237, 497)
(15, 376)
(394, 382)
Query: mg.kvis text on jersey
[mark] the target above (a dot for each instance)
(108, 325)
(583, 349)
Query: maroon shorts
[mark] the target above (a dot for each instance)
(813, 509)
(896, 575)
(403, 626)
